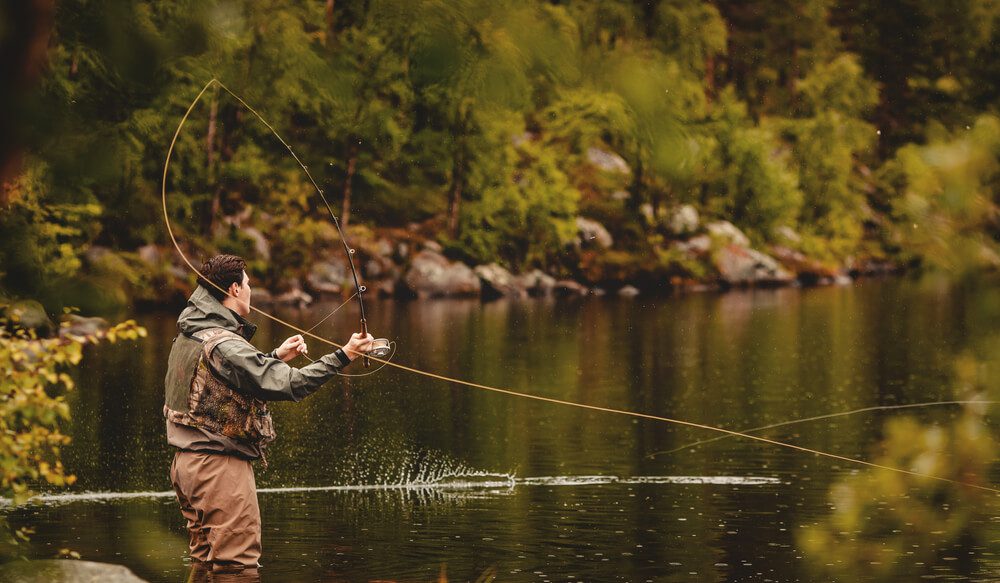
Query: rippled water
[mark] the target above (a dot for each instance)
(400, 477)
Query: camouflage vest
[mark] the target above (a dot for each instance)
(196, 397)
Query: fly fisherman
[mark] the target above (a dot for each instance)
(217, 389)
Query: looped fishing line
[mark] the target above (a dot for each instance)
(173, 238)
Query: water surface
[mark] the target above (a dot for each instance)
(401, 477)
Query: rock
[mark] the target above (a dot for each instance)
(94, 254)
(592, 232)
(328, 277)
(150, 254)
(433, 246)
(808, 269)
(76, 325)
(523, 138)
(29, 315)
(788, 234)
(739, 265)
(568, 288)
(647, 212)
(842, 279)
(620, 195)
(696, 246)
(683, 220)
(261, 246)
(262, 296)
(402, 251)
(498, 282)
(432, 275)
(294, 296)
(607, 161)
(65, 571)
(728, 232)
(597, 291)
(382, 248)
(628, 291)
(373, 269)
(386, 288)
(537, 282)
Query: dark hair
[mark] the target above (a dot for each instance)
(223, 271)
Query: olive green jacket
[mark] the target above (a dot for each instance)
(244, 369)
(242, 366)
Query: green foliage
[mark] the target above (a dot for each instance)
(750, 180)
(40, 241)
(826, 145)
(33, 377)
(523, 208)
(947, 209)
(880, 515)
(764, 114)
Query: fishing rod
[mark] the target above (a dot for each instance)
(510, 392)
(380, 346)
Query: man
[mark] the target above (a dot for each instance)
(217, 389)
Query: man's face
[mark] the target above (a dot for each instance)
(242, 295)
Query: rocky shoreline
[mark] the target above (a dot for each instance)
(405, 265)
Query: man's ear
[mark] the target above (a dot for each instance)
(234, 289)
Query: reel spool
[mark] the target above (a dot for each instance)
(380, 348)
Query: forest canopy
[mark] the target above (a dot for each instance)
(844, 133)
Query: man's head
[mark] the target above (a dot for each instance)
(228, 273)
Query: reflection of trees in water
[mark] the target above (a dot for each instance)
(889, 526)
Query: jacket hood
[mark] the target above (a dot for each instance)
(204, 311)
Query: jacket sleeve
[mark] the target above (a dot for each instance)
(260, 375)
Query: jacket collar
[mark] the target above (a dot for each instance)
(204, 311)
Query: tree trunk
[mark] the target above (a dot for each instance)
(710, 78)
(211, 161)
(330, 35)
(455, 200)
(213, 117)
(352, 161)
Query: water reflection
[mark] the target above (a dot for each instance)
(741, 359)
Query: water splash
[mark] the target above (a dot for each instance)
(472, 483)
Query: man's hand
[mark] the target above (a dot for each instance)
(358, 345)
(291, 348)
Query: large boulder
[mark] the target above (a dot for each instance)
(593, 233)
(65, 571)
(537, 282)
(569, 288)
(682, 220)
(29, 315)
(77, 325)
(261, 246)
(498, 282)
(695, 246)
(328, 277)
(728, 233)
(809, 270)
(739, 265)
(431, 275)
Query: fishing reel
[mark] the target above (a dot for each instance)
(380, 348)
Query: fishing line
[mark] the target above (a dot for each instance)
(820, 418)
(499, 390)
(327, 317)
